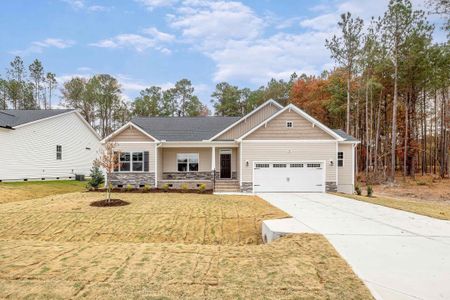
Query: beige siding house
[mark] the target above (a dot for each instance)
(271, 149)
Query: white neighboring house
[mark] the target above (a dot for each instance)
(45, 144)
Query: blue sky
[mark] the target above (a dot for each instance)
(157, 42)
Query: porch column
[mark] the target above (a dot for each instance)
(213, 158)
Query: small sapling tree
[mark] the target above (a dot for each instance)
(109, 160)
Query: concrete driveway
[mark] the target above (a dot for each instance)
(399, 255)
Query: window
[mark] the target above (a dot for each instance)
(340, 159)
(313, 165)
(58, 152)
(187, 162)
(279, 165)
(261, 165)
(296, 165)
(130, 162)
(289, 124)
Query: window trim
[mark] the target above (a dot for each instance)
(340, 159)
(130, 162)
(187, 167)
(289, 122)
(59, 157)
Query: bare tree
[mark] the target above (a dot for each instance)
(109, 160)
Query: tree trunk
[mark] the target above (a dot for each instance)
(347, 124)
(394, 122)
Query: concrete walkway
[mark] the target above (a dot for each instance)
(399, 255)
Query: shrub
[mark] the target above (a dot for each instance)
(202, 187)
(358, 190)
(369, 191)
(147, 188)
(165, 187)
(97, 177)
(129, 187)
(184, 187)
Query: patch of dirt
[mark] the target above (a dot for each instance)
(109, 203)
(423, 188)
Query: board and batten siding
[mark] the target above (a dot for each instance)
(288, 151)
(29, 151)
(246, 124)
(131, 134)
(345, 173)
(276, 129)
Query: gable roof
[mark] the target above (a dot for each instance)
(10, 118)
(268, 102)
(183, 128)
(345, 136)
(301, 113)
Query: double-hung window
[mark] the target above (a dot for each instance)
(58, 152)
(130, 162)
(187, 162)
(340, 159)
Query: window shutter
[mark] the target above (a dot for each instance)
(145, 161)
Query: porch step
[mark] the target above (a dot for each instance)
(227, 186)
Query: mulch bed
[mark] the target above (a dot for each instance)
(143, 191)
(111, 203)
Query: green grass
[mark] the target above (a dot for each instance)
(26, 190)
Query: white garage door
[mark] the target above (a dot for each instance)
(289, 177)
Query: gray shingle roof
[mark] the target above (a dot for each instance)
(10, 118)
(183, 128)
(344, 135)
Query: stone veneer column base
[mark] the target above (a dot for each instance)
(134, 179)
(330, 186)
(247, 187)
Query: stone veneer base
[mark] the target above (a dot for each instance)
(134, 179)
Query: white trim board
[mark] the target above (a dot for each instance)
(270, 101)
(301, 113)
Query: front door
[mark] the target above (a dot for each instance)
(225, 165)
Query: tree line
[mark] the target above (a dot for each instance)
(27, 89)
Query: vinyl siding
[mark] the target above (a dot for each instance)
(169, 159)
(345, 183)
(30, 151)
(131, 134)
(140, 147)
(246, 125)
(302, 129)
(287, 151)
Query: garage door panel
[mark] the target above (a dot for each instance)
(289, 177)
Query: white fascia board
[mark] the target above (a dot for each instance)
(301, 113)
(127, 125)
(270, 101)
(199, 144)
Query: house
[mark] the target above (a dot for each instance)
(271, 149)
(45, 144)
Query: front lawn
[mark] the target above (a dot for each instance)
(18, 191)
(162, 246)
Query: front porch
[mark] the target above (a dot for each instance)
(190, 166)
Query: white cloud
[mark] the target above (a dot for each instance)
(161, 36)
(134, 41)
(153, 39)
(214, 22)
(322, 22)
(39, 46)
(152, 4)
(82, 5)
